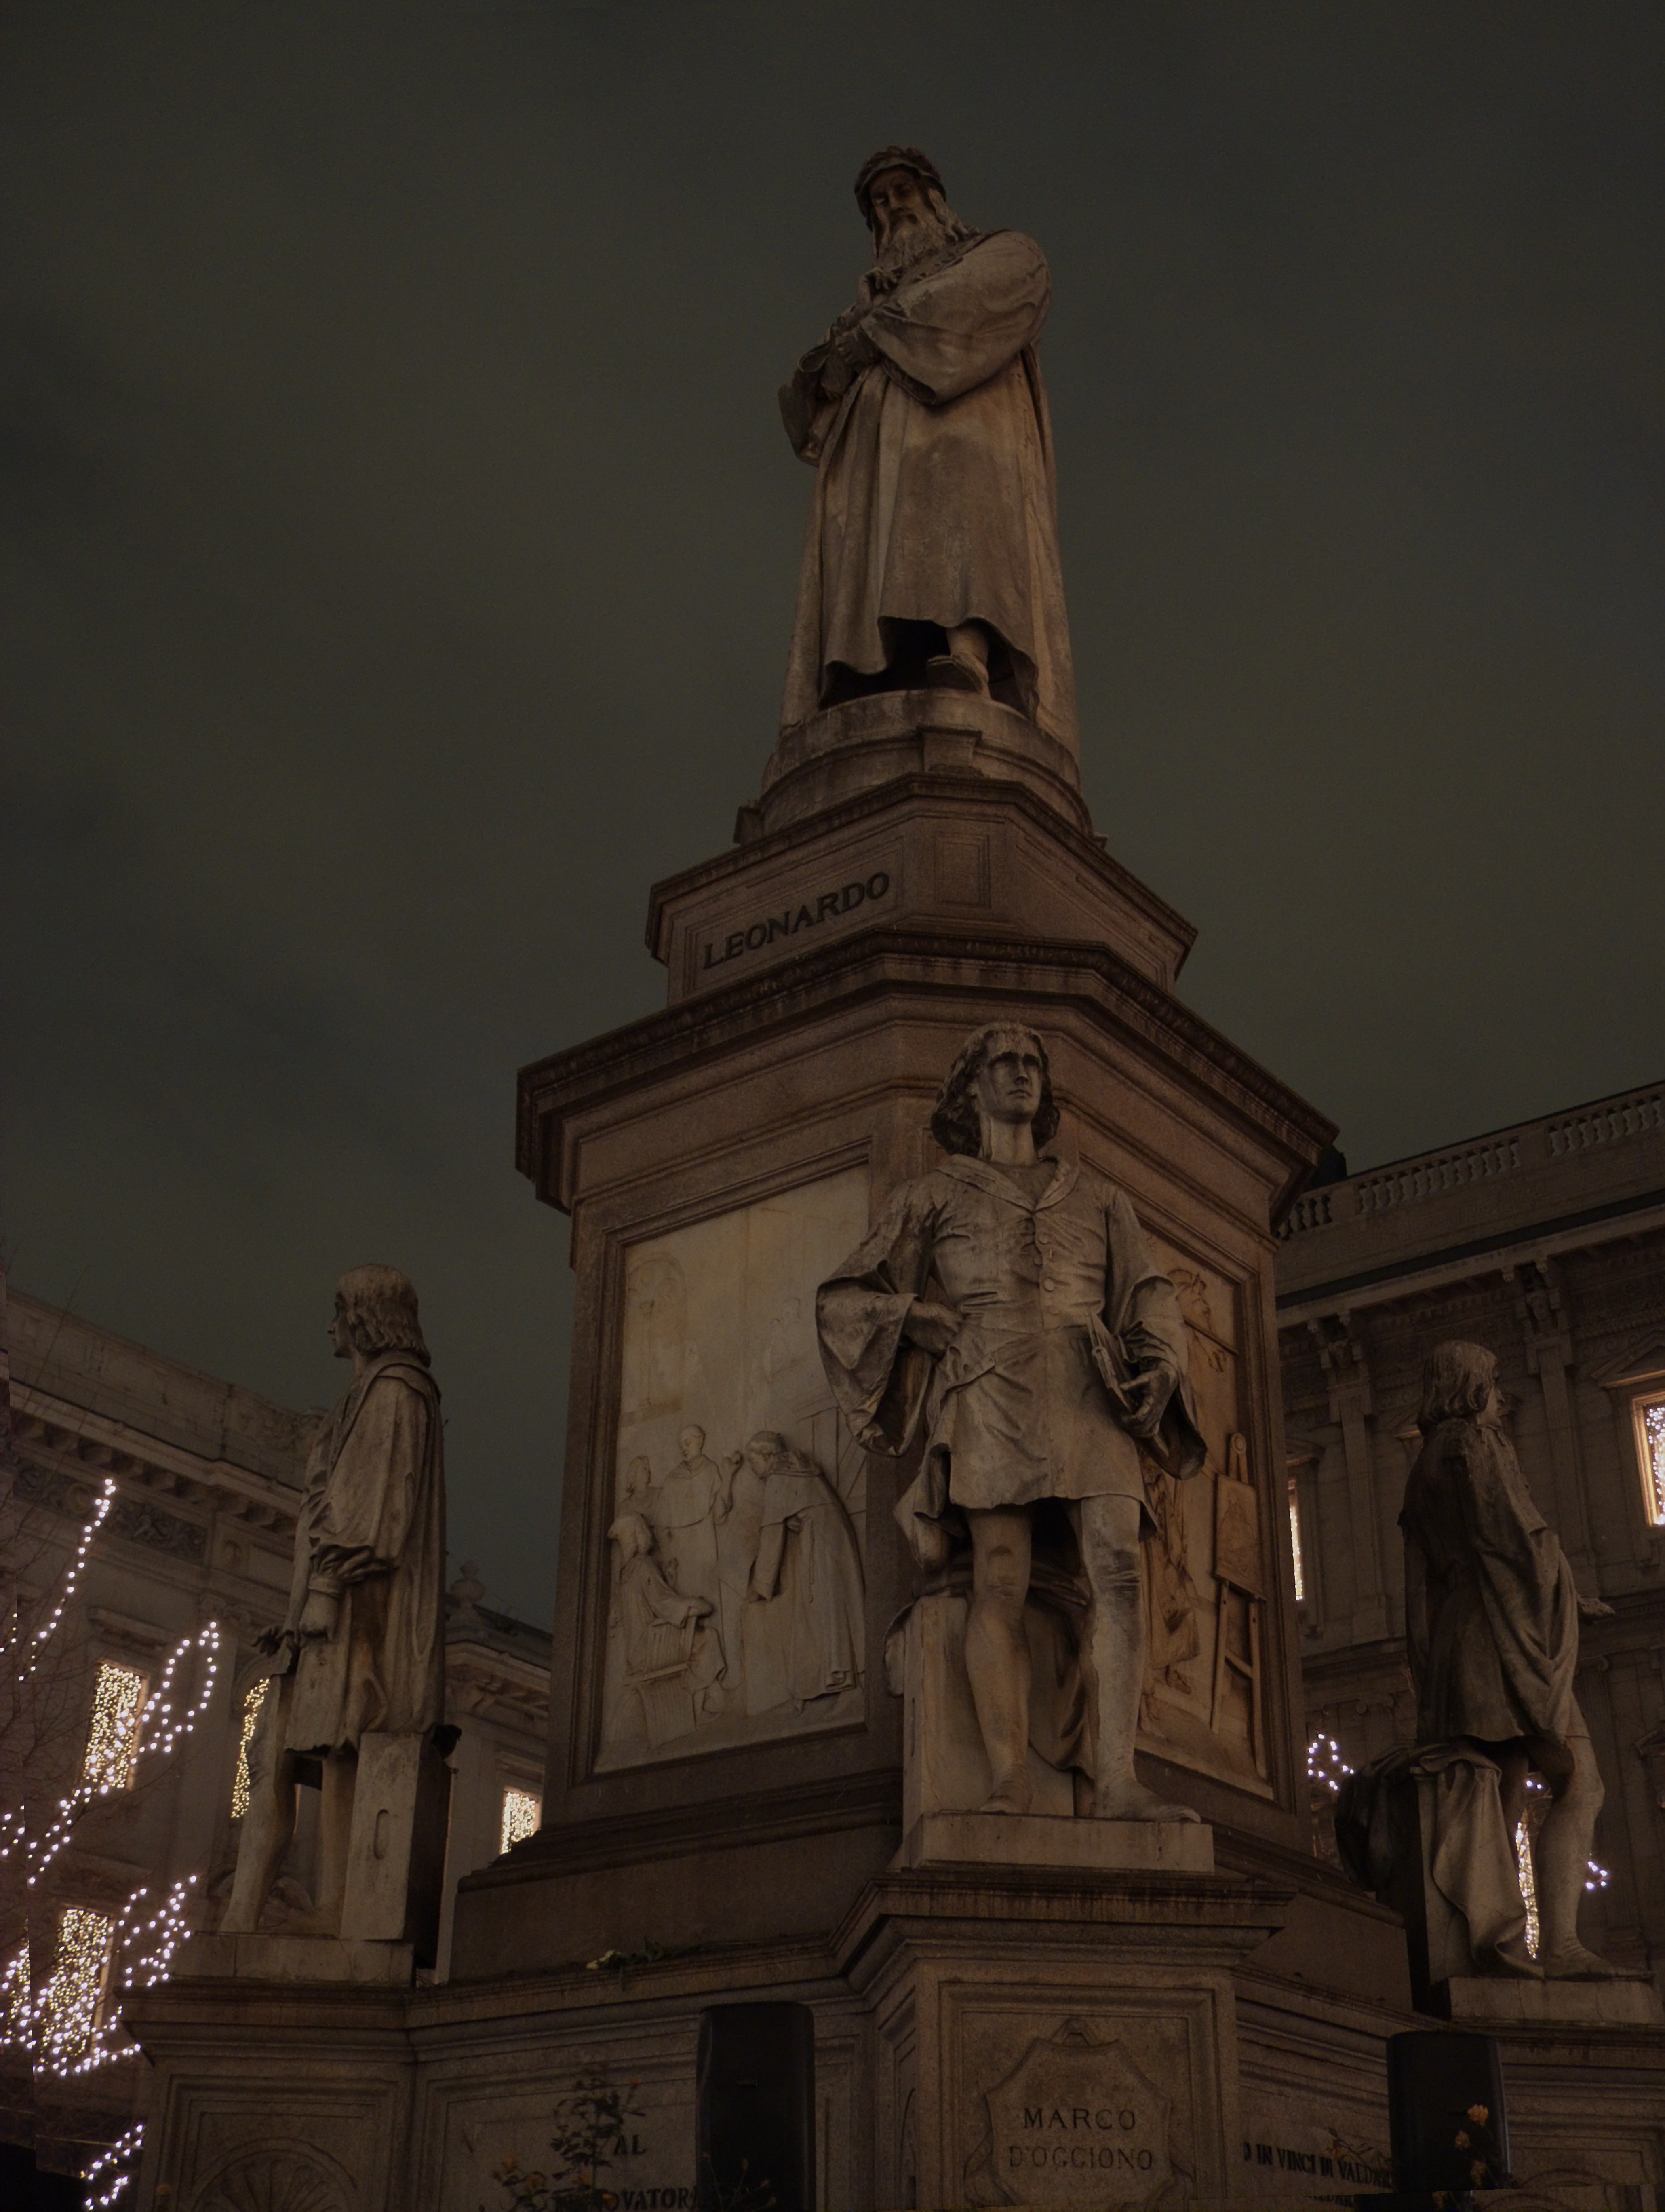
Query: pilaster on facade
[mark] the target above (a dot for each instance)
(1351, 1408)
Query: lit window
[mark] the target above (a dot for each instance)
(1651, 1448)
(1295, 1540)
(240, 1788)
(113, 1740)
(69, 2002)
(521, 1811)
(15, 1998)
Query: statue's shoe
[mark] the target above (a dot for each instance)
(1139, 1803)
(1573, 1963)
(955, 672)
(1511, 1957)
(1006, 1797)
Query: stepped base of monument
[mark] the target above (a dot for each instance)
(1029, 1839)
(298, 1959)
(1483, 2000)
(984, 2035)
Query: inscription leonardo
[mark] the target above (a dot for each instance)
(827, 907)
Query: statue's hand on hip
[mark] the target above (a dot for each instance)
(932, 1327)
(1148, 1394)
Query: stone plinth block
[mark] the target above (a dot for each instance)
(1053, 2038)
(298, 1959)
(1036, 1840)
(396, 1856)
(1623, 2000)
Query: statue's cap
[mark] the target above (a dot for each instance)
(892, 157)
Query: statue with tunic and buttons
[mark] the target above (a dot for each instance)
(1007, 1309)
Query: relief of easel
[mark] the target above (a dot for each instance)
(1238, 1574)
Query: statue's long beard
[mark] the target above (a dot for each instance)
(908, 242)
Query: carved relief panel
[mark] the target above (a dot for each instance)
(736, 1534)
(1209, 1561)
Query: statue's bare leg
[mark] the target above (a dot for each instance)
(1560, 1858)
(268, 1824)
(340, 1782)
(1113, 1651)
(997, 1650)
(1506, 1953)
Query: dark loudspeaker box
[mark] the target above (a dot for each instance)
(1445, 2110)
(754, 2123)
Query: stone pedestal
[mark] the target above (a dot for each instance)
(396, 1859)
(324, 1959)
(1050, 2040)
(1005, 1839)
(1487, 2001)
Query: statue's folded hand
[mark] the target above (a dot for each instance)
(1593, 1608)
(932, 1327)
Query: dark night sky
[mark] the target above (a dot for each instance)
(401, 541)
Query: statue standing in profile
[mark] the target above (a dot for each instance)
(361, 1652)
(1009, 1305)
(932, 553)
(1492, 1616)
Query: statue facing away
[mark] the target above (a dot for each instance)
(361, 1651)
(1055, 1349)
(932, 553)
(1492, 1617)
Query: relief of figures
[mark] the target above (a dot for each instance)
(736, 1608)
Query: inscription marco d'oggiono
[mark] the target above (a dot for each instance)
(827, 907)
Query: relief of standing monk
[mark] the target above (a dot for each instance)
(932, 553)
(1055, 1349)
(362, 1648)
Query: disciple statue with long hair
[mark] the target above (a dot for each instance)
(361, 1650)
(932, 553)
(1492, 1616)
(1008, 1306)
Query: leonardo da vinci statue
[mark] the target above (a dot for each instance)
(932, 553)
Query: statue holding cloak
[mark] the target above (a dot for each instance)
(932, 553)
(361, 1650)
(1008, 1308)
(1492, 1616)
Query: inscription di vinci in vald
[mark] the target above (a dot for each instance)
(826, 907)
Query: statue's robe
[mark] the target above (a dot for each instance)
(935, 499)
(372, 1534)
(807, 1552)
(685, 1528)
(1494, 1644)
(1061, 1302)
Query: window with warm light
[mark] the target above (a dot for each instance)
(69, 2005)
(521, 1811)
(1295, 1540)
(239, 1788)
(113, 1736)
(1650, 1413)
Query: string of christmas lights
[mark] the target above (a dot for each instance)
(48, 1628)
(116, 2169)
(1325, 1764)
(161, 1729)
